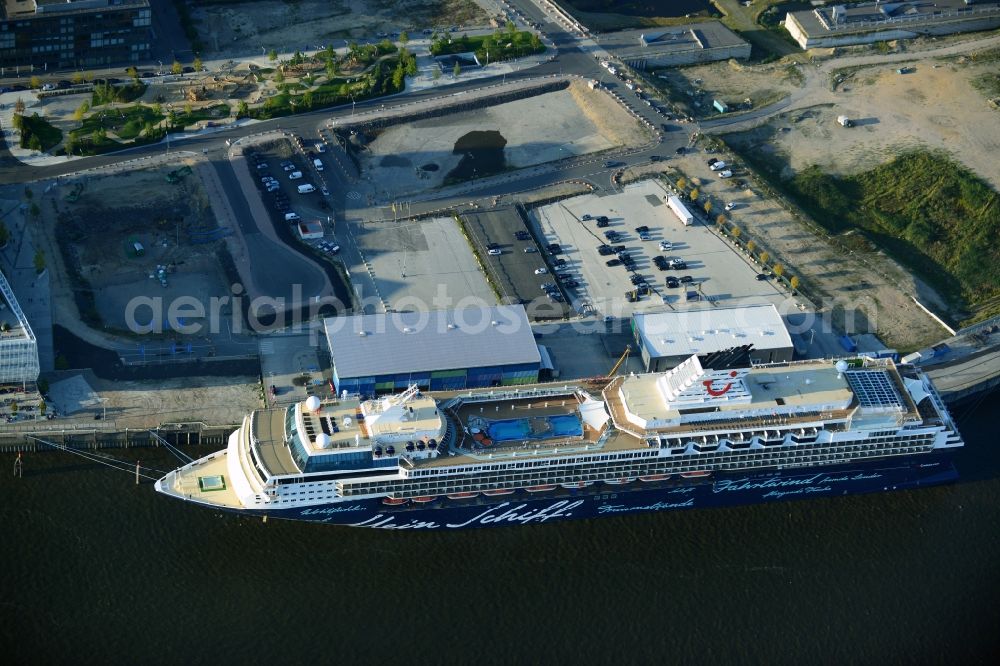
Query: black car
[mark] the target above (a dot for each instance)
(680, 266)
(618, 248)
(680, 150)
(571, 283)
(187, 70)
(673, 282)
(603, 218)
(614, 262)
(611, 235)
(655, 158)
(712, 161)
(642, 230)
(62, 85)
(559, 262)
(553, 248)
(604, 250)
(635, 278)
(686, 278)
(522, 235)
(564, 276)
(761, 276)
(613, 165)
(603, 223)
(146, 75)
(492, 246)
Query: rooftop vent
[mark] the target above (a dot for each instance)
(362, 333)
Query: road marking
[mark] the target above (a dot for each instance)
(354, 194)
(267, 347)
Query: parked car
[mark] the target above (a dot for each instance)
(295, 175)
(672, 282)
(645, 236)
(325, 192)
(530, 249)
(614, 262)
(541, 271)
(642, 229)
(686, 278)
(587, 216)
(495, 252)
(712, 160)
(725, 174)
(731, 205)
(666, 245)
(604, 250)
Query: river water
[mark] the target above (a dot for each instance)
(96, 569)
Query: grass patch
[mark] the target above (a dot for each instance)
(926, 211)
(127, 123)
(987, 83)
(501, 45)
(37, 133)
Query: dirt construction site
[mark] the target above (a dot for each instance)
(233, 27)
(116, 236)
(418, 156)
(931, 103)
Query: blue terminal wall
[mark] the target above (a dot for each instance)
(441, 380)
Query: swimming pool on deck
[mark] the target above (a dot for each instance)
(539, 427)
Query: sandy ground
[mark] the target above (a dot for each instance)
(212, 400)
(872, 294)
(232, 28)
(731, 81)
(573, 122)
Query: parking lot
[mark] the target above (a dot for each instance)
(417, 264)
(718, 274)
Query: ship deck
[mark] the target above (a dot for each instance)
(269, 440)
(206, 481)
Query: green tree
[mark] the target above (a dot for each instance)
(404, 38)
(331, 69)
(436, 73)
(157, 109)
(133, 72)
(456, 70)
(34, 210)
(681, 184)
(411, 66)
(397, 78)
(511, 27)
(764, 257)
(242, 109)
(13, 407)
(188, 109)
(4, 234)
(35, 83)
(39, 262)
(794, 282)
(736, 231)
(77, 78)
(694, 194)
(176, 68)
(279, 76)
(778, 269)
(42, 407)
(272, 55)
(69, 145)
(750, 246)
(307, 99)
(17, 120)
(197, 64)
(34, 143)
(707, 207)
(81, 111)
(19, 106)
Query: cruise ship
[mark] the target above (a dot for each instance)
(716, 430)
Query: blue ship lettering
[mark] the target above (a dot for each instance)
(658, 506)
(330, 509)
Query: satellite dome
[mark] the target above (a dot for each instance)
(322, 441)
(842, 366)
(312, 403)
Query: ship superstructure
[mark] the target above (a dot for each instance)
(710, 422)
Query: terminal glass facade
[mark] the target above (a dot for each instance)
(441, 380)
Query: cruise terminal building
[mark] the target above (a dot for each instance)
(437, 350)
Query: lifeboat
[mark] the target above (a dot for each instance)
(541, 489)
(696, 475)
(496, 492)
(393, 501)
(650, 478)
(620, 482)
(462, 496)
(424, 499)
(576, 484)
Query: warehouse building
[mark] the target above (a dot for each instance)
(50, 34)
(18, 346)
(681, 45)
(868, 22)
(667, 338)
(437, 350)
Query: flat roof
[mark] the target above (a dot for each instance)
(676, 39)
(683, 333)
(402, 342)
(865, 16)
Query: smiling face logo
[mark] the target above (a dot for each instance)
(716, 393)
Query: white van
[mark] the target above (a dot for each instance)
(318, 163)
(292, 217)
(295, 175)
(307, 188)
(716, 166)
(725, 174)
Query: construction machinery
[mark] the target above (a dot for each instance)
(621, 360)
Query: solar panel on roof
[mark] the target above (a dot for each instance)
(873, 388)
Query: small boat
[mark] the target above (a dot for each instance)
(393, 501)
(620, 482)
(496, 492)
(462, 496)
(650, 478)
(576, 484)
(696, 475)
(424, 499)
(541, 489)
